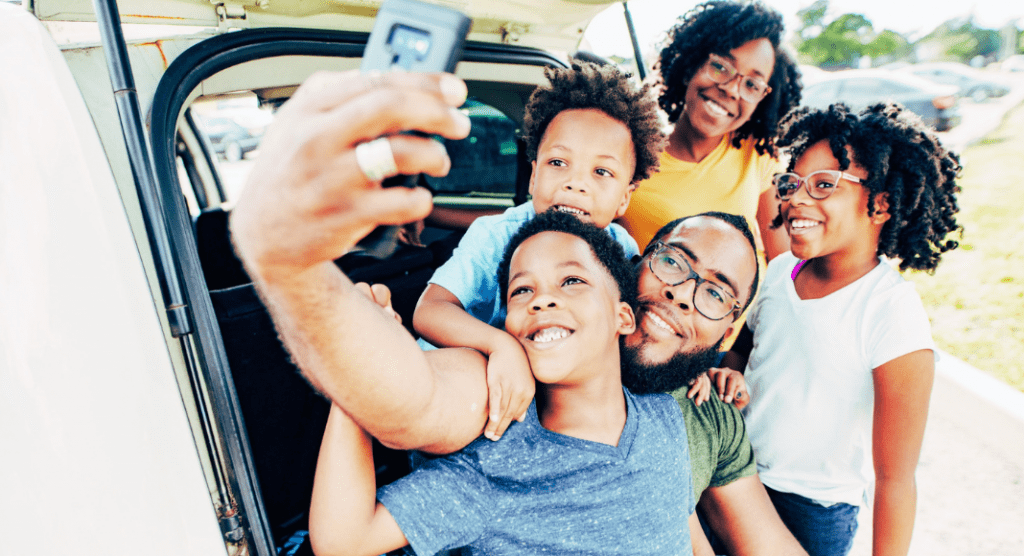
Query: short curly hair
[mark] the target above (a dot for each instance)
(905, 161)
(607, 251)
(718, 27)
(606, 88)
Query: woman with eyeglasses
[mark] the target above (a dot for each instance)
(726, 84)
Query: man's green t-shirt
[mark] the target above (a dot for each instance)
(720, 451)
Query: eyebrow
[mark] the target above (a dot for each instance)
(732, 59)
(564, 148)
(573, 264)
(718, 274)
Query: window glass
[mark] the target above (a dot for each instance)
(484, 162)
(234, 126)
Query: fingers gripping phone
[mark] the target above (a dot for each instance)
(410, 36)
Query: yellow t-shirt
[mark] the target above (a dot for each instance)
(727, 180)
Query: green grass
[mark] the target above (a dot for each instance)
(975, 299)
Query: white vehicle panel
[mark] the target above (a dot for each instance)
(98, 453)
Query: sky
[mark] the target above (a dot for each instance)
(913, 18)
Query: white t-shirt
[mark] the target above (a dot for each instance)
(809, 375)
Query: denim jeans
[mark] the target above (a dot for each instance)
(822, 531)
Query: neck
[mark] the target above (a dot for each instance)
(831, 273)
(686, 144)
(594, 410)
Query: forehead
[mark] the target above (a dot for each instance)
(548, 252)
(819, 157)
(756, 56)
(717, 246)
(587, 127)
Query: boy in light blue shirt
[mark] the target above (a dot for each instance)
(591, 136)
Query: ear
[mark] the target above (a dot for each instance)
(627, 320)
(533, 176)
(881, 215)
(625, 200)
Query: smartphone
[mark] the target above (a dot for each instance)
(411, 36)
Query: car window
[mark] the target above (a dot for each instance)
(484, 163)
(233, 126)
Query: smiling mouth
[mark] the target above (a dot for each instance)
(572, 210)
(800, 225)
(549, 334)
(715, 108)
(660, 323)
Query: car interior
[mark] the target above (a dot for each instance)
(283, 416)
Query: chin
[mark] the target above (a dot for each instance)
(642, 376)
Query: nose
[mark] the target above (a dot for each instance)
(543, 301)
(801, 196)
(681, 294)
(734, 91)
(577, 180)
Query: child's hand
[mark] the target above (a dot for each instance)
(700, 389)
(732, 387)
(510, 388)
(381, 295)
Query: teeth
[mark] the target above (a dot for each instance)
(802, 223)
(550, 334)
(570, 210)
(716, 108)
(659, 322)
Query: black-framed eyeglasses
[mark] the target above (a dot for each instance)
(721, 71)
(671, 267)
(819, 184)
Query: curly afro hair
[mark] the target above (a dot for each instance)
(905, 162)
(605, 88)
(718, 27)
(607, 251)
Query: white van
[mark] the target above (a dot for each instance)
(146, 405)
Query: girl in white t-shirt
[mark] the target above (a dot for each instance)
(838, 363)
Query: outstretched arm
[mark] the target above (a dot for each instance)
(742, 515)
(344, 516)
(902, 391)
(307, 203)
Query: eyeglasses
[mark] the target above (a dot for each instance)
(721, 71)
(820, 184)
(672, 268)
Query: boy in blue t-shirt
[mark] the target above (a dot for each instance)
(591, 136)
(592, 469)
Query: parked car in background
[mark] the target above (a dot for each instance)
(974, 84)
(936, 104)
(1014, 63)
(228, 139)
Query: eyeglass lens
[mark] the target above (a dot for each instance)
(710, 300)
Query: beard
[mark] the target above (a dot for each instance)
(643, 377)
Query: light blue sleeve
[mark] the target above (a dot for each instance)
(623, 238)
(471, 272)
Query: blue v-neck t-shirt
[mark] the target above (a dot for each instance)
(535, 491)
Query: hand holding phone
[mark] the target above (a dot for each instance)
(410, 36)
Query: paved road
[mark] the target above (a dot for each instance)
(971, 474)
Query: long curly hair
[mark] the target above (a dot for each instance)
(718, 27)
(605, 88)
(905, 162)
